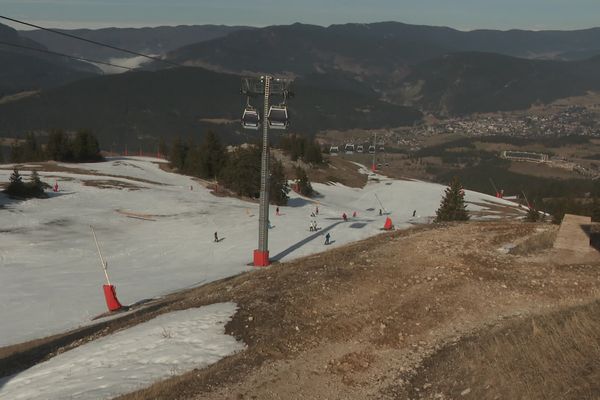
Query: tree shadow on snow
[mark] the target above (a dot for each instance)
(304, 241)
(298, 202)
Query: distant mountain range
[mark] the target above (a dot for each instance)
(351, 75)
(464, 83)
(157, 40)
(380, 54)
(25, 70)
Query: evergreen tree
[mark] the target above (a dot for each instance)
(304, 186)
(163, 149)
(31, 149)
(15, 187)
(16, 153)
(453, 207)
(312, 153)
(35, 186)
(85, 147)
(242, 171)
(58, 147)
(212, 156)
(278, 185)
(177, 154)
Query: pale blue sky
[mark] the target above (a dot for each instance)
(460, 14)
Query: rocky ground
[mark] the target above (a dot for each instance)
(362, 321)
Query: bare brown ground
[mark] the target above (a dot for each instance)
(51, 166)
(360, 321)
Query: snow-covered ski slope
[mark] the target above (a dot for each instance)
(131, 359)
(50, 273)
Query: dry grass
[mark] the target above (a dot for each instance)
(556, 356)
(541, 241)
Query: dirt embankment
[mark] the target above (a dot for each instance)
(365, 320)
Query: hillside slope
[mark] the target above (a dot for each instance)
(137, 108)
(156, 40)
(25, 70)
(379, 55)
(463, 83)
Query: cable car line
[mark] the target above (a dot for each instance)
(63, 55)
(92, 41)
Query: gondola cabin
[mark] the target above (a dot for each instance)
(334, 150)
(349, 148)
(371, 149)
(278, 117)
(360, 149)
(250, 118)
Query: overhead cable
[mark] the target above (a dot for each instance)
(91, 41)
(20, 46)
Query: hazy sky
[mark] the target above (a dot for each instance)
(461, 14)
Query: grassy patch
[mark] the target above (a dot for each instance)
(556, 356)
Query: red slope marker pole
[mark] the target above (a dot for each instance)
(110, 294)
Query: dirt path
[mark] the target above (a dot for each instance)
(358, 321)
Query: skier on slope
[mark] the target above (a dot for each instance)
(327, 237)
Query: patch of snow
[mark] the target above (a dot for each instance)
(130, 359)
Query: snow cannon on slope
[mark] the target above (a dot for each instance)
(388, 226)
(110, 293)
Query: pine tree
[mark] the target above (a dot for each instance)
(58, 148)
(453, 207)
(35, 186)
(312, 153)
(163, 149)
(242, 171)
(15, 187)
(177, 154)
(304, 186)
(212, 156)
(278, 185)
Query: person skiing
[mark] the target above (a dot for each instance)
(277, 211)
(380, 213)
(317, 210)
(344, 217)
(327, 237)
(414, 212)
(354, 214)
(216, 238)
